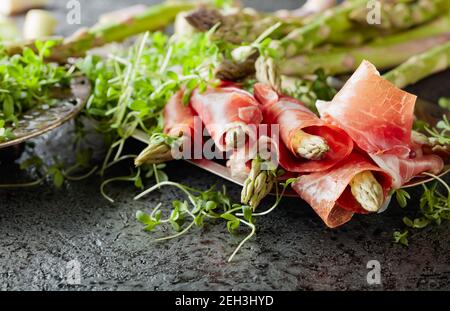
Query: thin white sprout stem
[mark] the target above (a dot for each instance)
(123, 158)
(155, 171)
(108, 155)
(120, 60)
(267, 33)
(166, 60)
(78, 178)
(252, 233)
(107, 182)
(440, 180)
(130, 74)
(25, 185)
(119, 149)
(176, 235)
(71, 169)
(163, 184)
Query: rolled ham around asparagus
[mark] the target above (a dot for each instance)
(307, 144)
(179, 119)
(230, 115)
(179, 124)
(379, 118)
(336, 194)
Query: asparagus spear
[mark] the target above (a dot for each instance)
(157, 152)
(309, 146)
(258, 185)
(319, 31)
(403, 14)
(367, 191)
(267, 72)
(122, 14)
(8, 29)
(39, 24)
(421, 66)
(156, 17)
(385, 52)
(238, 26)
(357, 37)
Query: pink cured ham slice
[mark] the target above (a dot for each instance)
(403, 168)
(224, 108)
(291, 115)
(379, 117)
(329, 193)
(375, 113)
(179, 119)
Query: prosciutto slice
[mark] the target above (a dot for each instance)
(222, 109)
(179, 119)
(329, 193)
(291, 115)
(379, 117)
(403, 168)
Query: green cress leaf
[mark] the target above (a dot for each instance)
(401, 237)
(402, 197)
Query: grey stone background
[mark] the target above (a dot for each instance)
(42, 229)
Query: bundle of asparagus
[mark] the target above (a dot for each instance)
(385, 52)
(350, 19)
(343, 28)
(403, 14)
(421, 66)
(322, 29)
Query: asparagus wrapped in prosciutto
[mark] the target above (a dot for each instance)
(231, 115)
(378, 117)
(355, 185)
(179, 126)
(307, 143)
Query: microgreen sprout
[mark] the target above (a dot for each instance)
(261, 44)
(27, 81)
(434, 207)
(202, 205)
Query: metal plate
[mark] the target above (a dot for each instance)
(46, 118)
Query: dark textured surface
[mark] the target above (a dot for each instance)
(42, 229)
